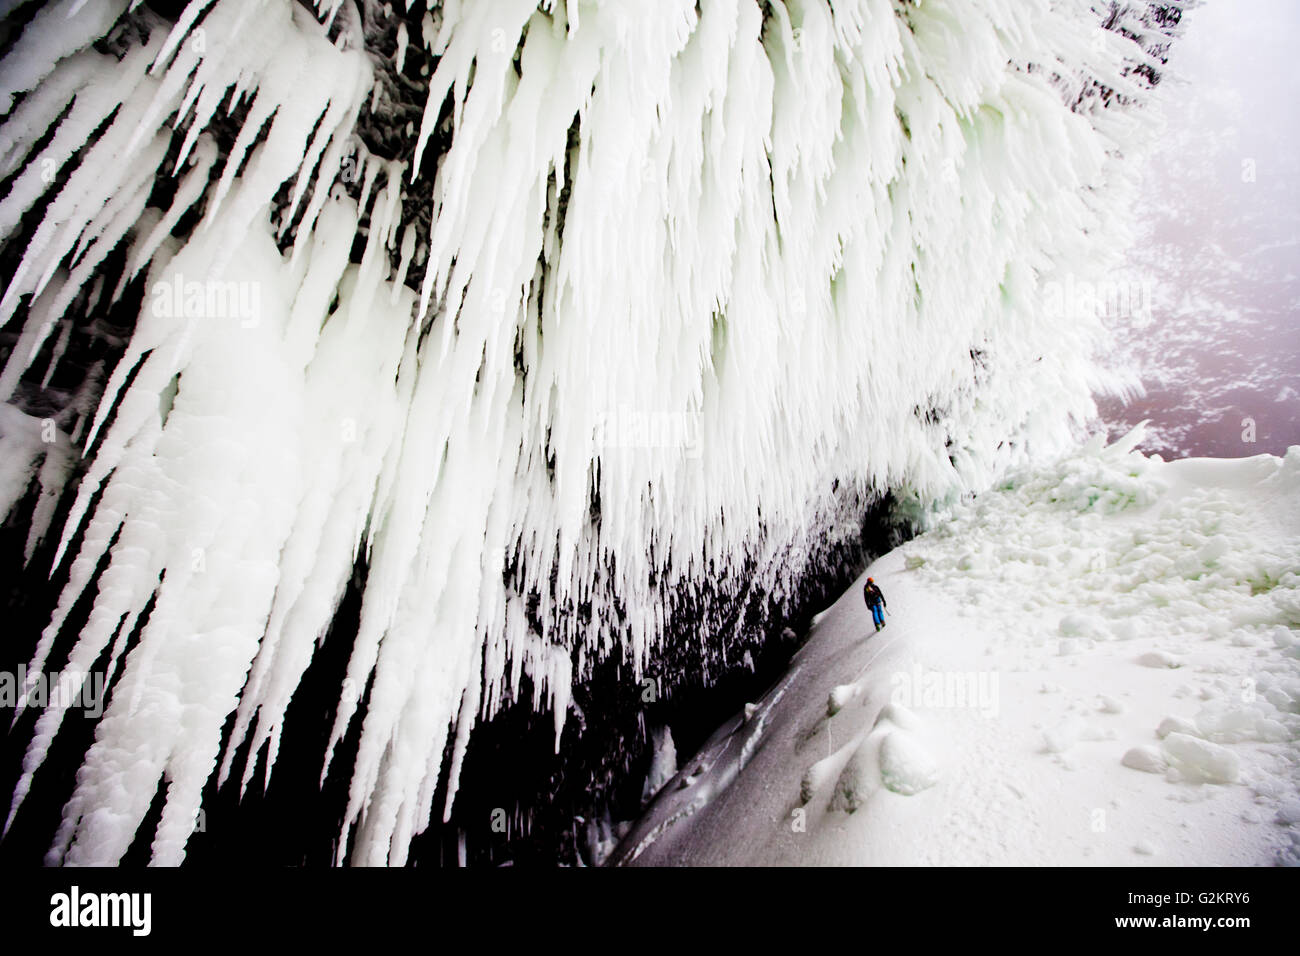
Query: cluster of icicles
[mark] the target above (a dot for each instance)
(775, 240)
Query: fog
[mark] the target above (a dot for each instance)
(1218, 247)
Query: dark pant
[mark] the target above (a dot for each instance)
(878, 615)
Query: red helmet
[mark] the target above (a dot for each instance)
(869, 581)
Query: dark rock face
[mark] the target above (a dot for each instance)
(543, 800)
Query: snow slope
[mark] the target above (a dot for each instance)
(1096, 663)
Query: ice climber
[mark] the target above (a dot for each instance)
(876, 601)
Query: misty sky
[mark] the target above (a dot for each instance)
(1219, 240)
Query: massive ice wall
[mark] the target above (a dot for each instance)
(549, 313)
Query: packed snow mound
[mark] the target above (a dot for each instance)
(906, 764)
(663, 240)
(892, 755)
(1088, 757)
(860, 777)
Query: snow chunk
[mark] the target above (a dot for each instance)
(1082, 625)
(840, 697)
(1179, 725)
(1228, 724)
(1064, 735)
(906, 765)
(1201, 761)
(1159, 659)
(1146, 758)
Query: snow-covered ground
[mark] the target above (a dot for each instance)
(1096, 663)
